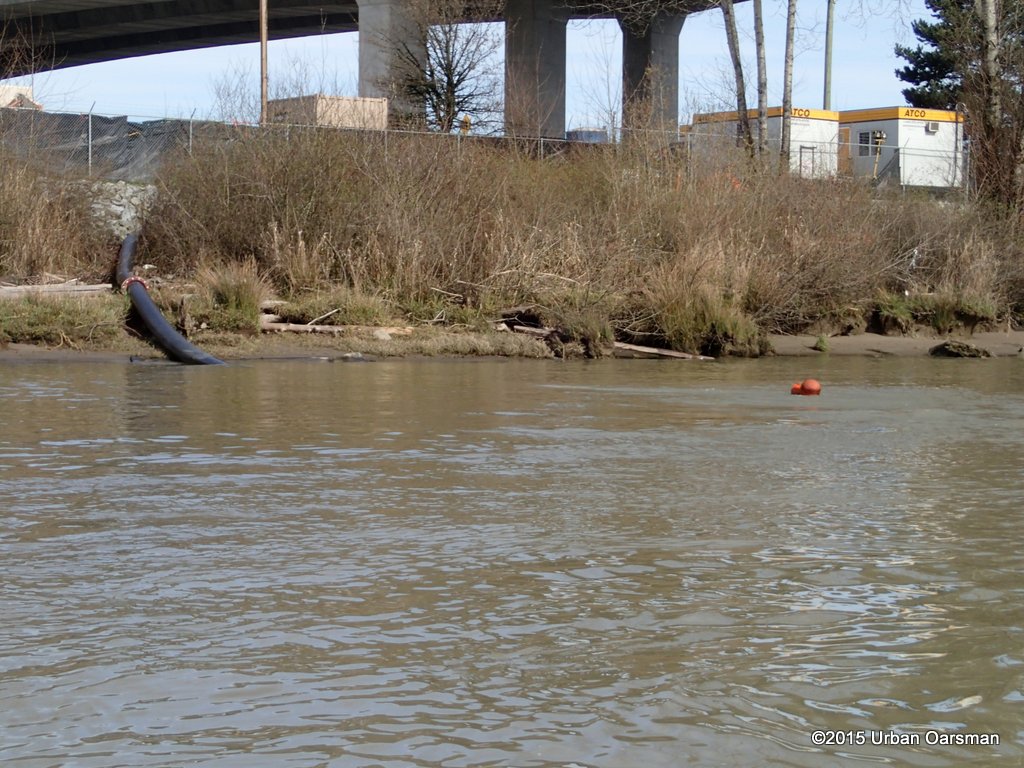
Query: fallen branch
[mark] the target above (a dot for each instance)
(300, 328)
(74, 289)
(324, 316)
(270, 325)
(659, 352)
(541, 333)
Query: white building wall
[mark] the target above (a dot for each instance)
(922, 148)
(332, 111)
(813, 136)
(9, 94)
(812, 146)
(931, 158)
(867, 159)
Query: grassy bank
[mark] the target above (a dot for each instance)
(636, 243)
(73, 323)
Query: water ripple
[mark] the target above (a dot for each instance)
(636, 569)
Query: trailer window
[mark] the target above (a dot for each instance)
(864, 143)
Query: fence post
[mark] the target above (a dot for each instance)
(191, 119)
(967, 171)
(89, 139)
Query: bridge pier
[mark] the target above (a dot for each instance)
(386, 27)
(535, 68)
(650, 73)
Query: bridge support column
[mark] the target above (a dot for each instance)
(535, 68)
(389, 38)
(650, 73)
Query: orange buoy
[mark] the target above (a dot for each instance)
(806, 387)
(810, 387)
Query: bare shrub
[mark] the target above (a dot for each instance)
(702, 255)
(46, 227)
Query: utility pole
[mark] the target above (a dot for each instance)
(827, 100)
(263, 62)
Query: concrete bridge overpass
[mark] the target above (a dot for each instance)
(50, 34)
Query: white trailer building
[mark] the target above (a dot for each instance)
(813, 138)
(909, 146)
(331, 111)
(17, 97)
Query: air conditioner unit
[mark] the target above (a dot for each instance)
(932, 127)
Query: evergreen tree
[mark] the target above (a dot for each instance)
(949, 45)
(971, 58)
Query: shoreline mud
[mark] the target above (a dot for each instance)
(469, 345)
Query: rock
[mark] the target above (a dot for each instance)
(119, 206)
(951, 348)
(381, 335)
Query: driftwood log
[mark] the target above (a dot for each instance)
(272, 326)
(636, 348)
(54, 289)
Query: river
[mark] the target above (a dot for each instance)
(599, 564)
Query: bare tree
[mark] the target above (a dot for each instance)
(991, 74)
(456, 75)
(762, 79)
(787, 86)
(637, 14)
(993, 92)
(972, 60)
(602, 92)
(729, 14)
(21, 50)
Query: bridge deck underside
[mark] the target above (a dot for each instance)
(53, 34)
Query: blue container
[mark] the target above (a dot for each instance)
(588, 135)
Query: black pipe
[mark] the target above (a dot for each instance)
(174, 345)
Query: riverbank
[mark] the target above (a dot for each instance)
(997, 343)
(434, 343)
(630, 245)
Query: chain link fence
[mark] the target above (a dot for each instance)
(98, 146)
(102, 147)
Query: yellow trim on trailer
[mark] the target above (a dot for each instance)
(899, 113)
(798, 112)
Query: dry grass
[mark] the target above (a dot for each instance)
(340, 305)
(46, 227)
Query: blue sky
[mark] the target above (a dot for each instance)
(178, 84)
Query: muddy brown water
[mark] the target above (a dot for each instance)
(512, 563)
